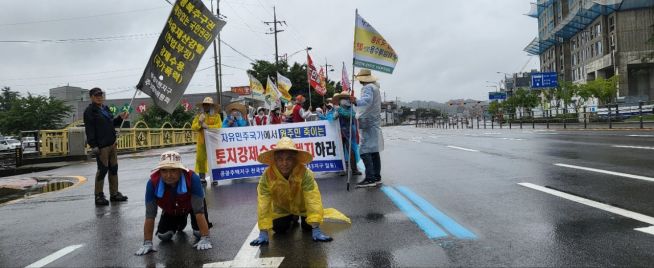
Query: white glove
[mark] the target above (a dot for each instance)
(205, 126)
(201, 118)
(146, 248)
(203, 244)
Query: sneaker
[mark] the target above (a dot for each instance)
(118, 197)
(214, 183)
(342, 173)
(356, 172)
(100, 200)
(366, 183)
(377, 182)
(203, 181)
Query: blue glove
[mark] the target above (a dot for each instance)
(318, 236)
(261, 240)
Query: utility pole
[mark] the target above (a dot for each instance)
(275, 31)
(217, 59)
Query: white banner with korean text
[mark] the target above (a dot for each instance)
(233, 152)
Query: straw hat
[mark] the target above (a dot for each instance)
(344, 94)
(237, 106)
(209, 100)
(285, 144)
(365, 75)
(170, 159)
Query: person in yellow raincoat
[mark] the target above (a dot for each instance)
(287, 191)
(208, 118)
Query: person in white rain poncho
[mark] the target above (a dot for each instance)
(372, 141)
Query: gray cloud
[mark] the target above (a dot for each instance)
(446, 49)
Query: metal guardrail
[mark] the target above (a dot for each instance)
(139, 137)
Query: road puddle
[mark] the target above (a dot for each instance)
(43, 186)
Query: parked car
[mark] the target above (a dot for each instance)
(29, 144)
(13, 143)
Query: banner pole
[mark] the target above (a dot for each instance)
(308, 78)
(349, 149)
(136, 90)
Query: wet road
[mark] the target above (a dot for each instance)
(598, 190)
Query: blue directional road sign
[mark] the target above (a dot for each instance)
(544, 80)
(496, 96)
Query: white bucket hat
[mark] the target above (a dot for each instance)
(170, 159)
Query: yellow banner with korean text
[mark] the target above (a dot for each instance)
(371, 50)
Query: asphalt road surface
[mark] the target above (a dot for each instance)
(450, 198)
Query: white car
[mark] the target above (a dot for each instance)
(9, 144)
(29, 144)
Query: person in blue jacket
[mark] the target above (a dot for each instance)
(237, 115)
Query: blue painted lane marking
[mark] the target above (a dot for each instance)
(430, 228)
(448, 223)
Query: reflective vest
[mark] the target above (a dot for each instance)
(172, 203)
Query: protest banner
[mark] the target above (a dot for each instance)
(233, 152)
(188, 31)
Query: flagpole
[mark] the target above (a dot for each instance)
(136, 90)
(349, 146)
(308, 78)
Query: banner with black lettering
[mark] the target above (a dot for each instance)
(189, 31)
(233, 152)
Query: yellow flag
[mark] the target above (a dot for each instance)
(284, 85)
(271, 94)
(371, 50)
(255, 85)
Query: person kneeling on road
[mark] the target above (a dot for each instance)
(178, 192)
(287, 191)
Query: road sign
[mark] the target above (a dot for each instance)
(544, 80)
(496, 96)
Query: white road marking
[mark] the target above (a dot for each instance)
(461, 148)
(598, 205)
(512, 139)
(54, 256)
(647, 230)
(640, 135)
(633, 147)
(492, 133)
(638, 177)
(248, 255)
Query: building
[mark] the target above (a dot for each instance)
(583, 40)
(515, 81)
(78, 99)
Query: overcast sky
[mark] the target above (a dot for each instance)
(446, 49)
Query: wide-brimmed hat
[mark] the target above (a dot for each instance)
(285, 144)
(365, 75)
(209, 100)
(170, 159)
(237, 106)
(344, 94)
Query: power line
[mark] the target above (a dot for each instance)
(77, 18)
(89, 39)
(235, 50)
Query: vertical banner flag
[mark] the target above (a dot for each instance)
(233, 152)
(284, 86)
(189, 30)
(255, 85)
(345, 80)
(323, 82)
(314, 79)
(371, 49)
(271, 95)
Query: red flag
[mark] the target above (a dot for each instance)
(314, 78)
(345, 80)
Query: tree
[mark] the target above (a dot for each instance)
(33, 113)
(7, 97)
(604, 89)
(495, 108)
(155, 117)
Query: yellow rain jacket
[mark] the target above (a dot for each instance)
(299, 195)
(212, 121)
